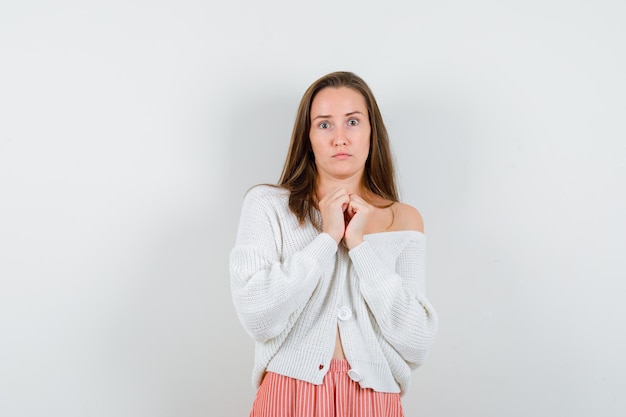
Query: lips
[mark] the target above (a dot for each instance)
(342, 156)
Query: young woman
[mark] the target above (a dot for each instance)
(327, 272)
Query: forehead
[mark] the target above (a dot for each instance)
(340, 100)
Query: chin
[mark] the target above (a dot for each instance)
(346, 174)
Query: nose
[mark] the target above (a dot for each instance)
(340, 137)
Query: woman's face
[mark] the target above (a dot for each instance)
(340, 132)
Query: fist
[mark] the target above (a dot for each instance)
(357, 215)
(333, 208)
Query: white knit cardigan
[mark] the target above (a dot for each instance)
(292, 286)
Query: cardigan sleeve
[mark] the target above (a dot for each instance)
(267, 286)
(396, 297)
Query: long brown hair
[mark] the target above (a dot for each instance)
(299, 174)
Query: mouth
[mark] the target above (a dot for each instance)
(342, 156)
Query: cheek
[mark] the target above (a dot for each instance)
(318, 139)
(366, 140)
(313, 141)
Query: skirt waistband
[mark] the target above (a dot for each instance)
(339, 365)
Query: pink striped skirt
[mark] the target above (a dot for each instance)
(338, 396)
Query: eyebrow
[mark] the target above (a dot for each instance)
(328, 116)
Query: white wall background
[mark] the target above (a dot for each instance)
(130, 130)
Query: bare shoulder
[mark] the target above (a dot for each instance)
(407, 217)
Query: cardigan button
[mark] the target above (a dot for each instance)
(344, 313)
(354, 375)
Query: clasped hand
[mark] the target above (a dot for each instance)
(344, 216)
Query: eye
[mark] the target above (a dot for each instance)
(324, 125)
(353, 122)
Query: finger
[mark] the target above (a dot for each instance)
(341, 198)
(335, 195)
(357, 205)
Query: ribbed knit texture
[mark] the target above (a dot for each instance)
(289, 282)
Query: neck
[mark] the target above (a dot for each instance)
(351, 184)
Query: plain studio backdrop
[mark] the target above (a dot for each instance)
(130, 131)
